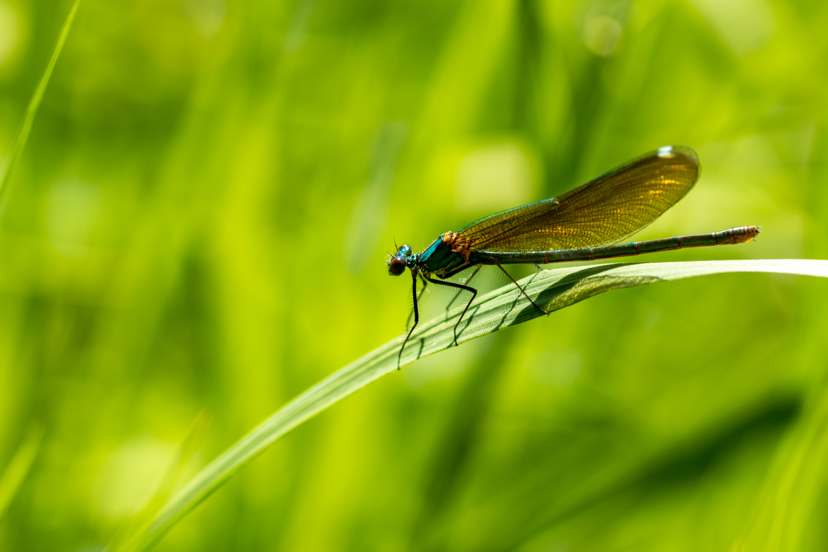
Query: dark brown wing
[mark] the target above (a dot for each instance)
(604, 211)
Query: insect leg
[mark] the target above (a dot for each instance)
(420, 296)
(543, 310)
(476, 270)
(416, 315)
(461, 287)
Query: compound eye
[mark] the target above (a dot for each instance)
(396, 266)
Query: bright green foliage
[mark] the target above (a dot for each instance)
(200, 222)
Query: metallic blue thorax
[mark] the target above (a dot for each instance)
(439, 259)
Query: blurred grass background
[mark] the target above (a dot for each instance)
(201, 221)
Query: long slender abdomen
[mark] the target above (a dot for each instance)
(731, 236)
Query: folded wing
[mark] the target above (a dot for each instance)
(604, 211)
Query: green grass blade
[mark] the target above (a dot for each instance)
(34, 103)
(17, 470)
(796, 483)
(553, 289)
(133, 534)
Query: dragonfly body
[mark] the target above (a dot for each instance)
(583, 224)
(742, 234)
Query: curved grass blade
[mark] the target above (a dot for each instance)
(23, 133)
(553, 289)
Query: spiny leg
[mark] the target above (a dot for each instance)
(456, 295)
(462, 287)
(420, 296)
(416, 315)
(543, 310)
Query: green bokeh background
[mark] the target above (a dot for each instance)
(201, 220)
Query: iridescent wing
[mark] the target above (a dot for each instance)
(604, 211)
